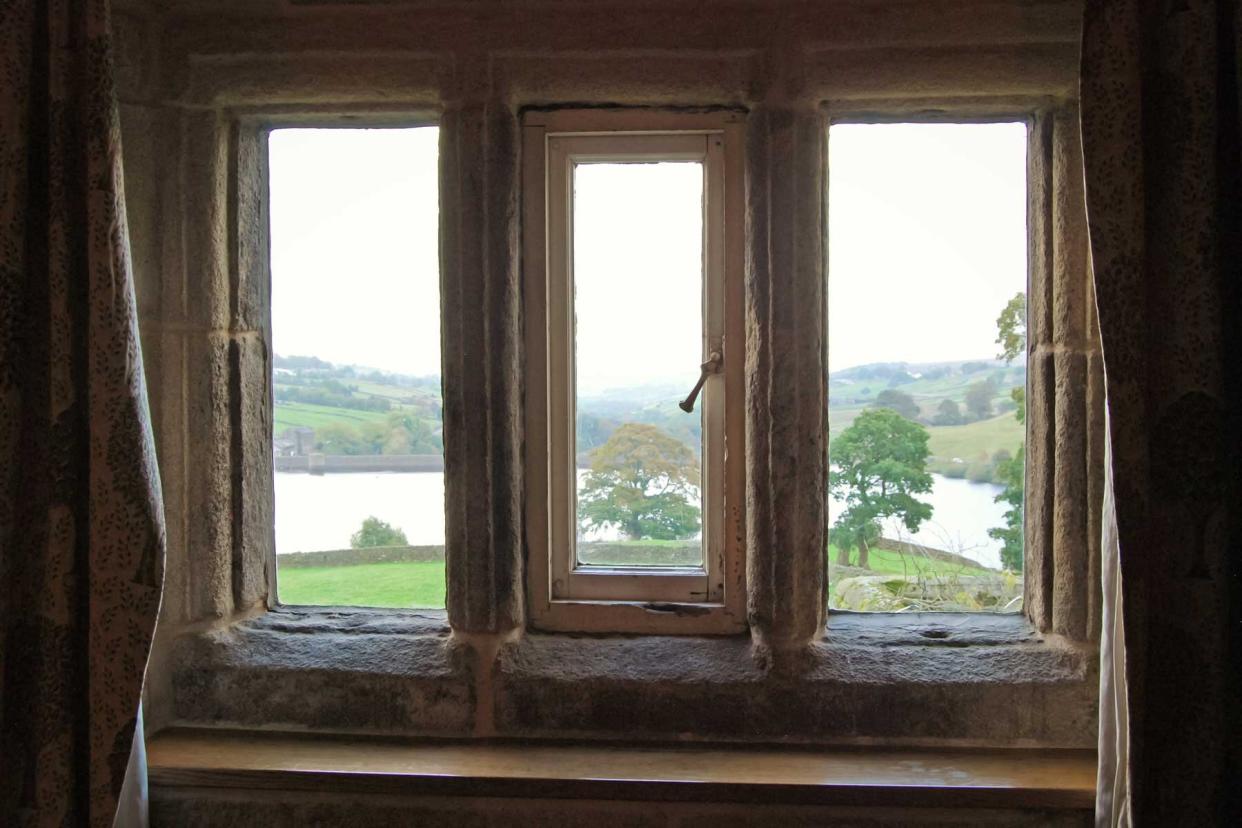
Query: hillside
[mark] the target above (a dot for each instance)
(356, 410)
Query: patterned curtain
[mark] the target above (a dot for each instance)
(1160, 125)
(81, 516)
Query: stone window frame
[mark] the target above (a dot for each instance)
(191, 78)
(620, 601)
(1065, 382)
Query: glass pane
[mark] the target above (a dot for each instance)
(638, 305)
(927, 307)
(356, 367)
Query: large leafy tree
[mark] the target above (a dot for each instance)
(979, 399)
(644, 482)
(898, 401)
(1011, 328)
(949, 413)
(879, 464)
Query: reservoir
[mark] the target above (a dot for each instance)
(315, 512)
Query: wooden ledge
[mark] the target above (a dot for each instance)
(1045, 779)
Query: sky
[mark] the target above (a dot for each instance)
(354, 246)
(927, 242)
(926, 239)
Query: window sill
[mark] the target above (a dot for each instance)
(909, 679)
(1042, 779)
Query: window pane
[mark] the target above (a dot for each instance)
(356, 367)
(927, 321)
(638, 306)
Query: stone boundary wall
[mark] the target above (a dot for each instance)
(591, 553)
(330, 463)
(349, 557)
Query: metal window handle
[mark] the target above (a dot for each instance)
(712, 366)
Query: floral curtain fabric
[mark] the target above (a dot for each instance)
(81, 520)
(1160, 126)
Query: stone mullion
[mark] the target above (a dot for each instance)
(1041, 376)
(786, 395)
(204, 258)
(250, 392)
(482, 383)
(1071, 545)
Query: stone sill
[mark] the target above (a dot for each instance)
(196, 759)
(909, 679)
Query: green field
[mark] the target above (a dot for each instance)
(420, 584)
(416, 584)
(967, 441)
(885, 562)
(297, 415)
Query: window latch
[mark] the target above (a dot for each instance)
(712, 366)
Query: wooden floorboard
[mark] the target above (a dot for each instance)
(916, 777)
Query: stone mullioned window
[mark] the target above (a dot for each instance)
(199, 87)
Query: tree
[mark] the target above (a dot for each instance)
(644, 482)
(979, 399)
(879, 464)
(375, 532)
(898, 401)
(949, 413)
(338, 438)
(1011, 473)
(1011, 328)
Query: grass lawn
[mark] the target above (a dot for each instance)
(966, 441)
(420, 584)
(417, 584)
(291, 414)
(885, 562)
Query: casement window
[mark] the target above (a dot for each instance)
(632, 243)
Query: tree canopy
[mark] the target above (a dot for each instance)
(376, 532)
(948, 413)
(979, 399)
(1011, 473)
(898, 401)
(879, 464)
(1011, 328)
(644, 482)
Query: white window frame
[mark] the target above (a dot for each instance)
(562, 594)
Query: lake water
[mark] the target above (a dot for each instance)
(320, 512)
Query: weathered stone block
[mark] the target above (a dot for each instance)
(208, 475)
(254, 542)
(985, 679)
(250, 287)
(1040, 488)
(1070, 508)
(392, 671)
(205, 233)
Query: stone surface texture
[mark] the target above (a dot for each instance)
(198, 82)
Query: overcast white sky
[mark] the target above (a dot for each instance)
(927, 228)
(927, 239)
